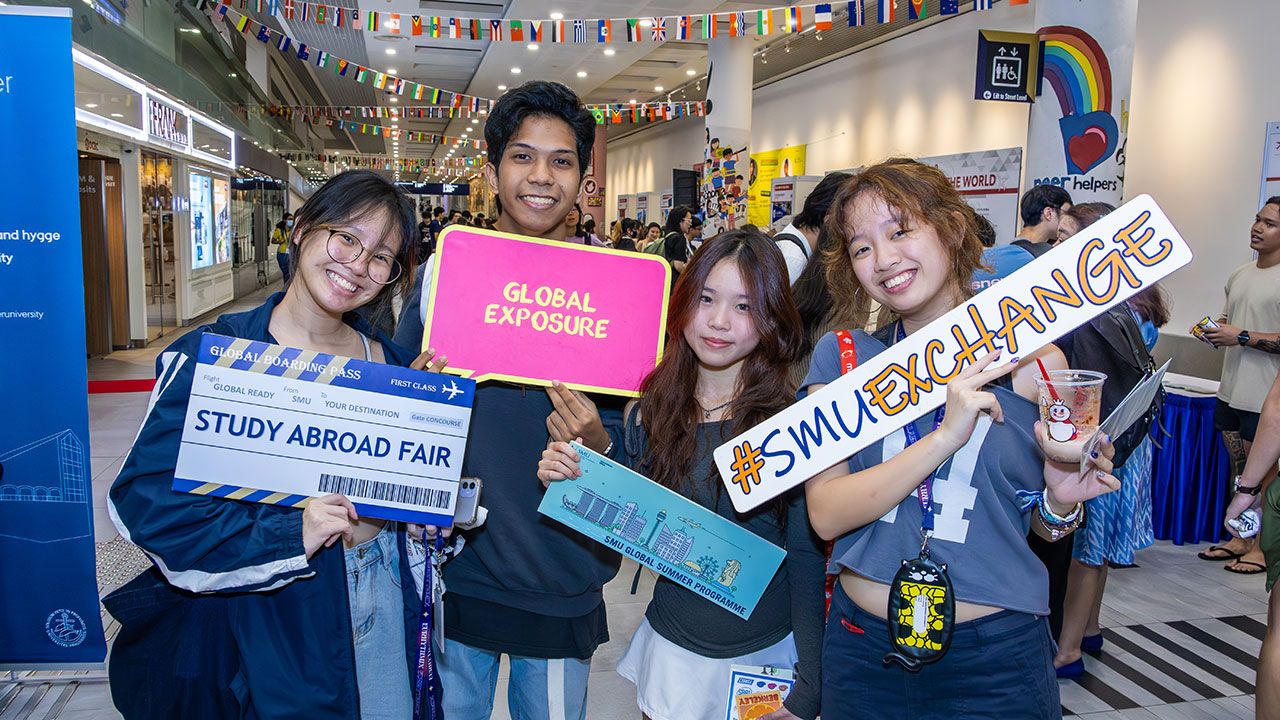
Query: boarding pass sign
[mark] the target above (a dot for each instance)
(1102, 266)
(278, 425)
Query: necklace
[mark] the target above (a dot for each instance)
(706, 412)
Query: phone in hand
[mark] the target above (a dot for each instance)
(465, 514)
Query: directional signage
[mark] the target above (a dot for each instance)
(1008, 66)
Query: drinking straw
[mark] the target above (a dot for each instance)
(1052, 393)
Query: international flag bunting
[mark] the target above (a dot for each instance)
(418, 91)
(415, 25)
(322, 59)
(475, 29)
(764, 22)
(604, 31)
(659, 33)
(393, 24)
(475, 104)
(737, 24)
(535, 31)
(303, 53)
(455, 28)
(362, 73)
(580, 31)
(288, 9)
(794, 20)
(981, 4)
(283, 43)
(495, 29)
(322, 14)
(264, 34)
(339, 17)
(399, 86)
(557, 31)
(355, 19)
(683, 27)
(615, 117)
(857, 17)
(822, 16)
(380, 80)
(917, 10)
(1018, 2)
(273, 8)
(633, 30)
(949, 7)
(371, 21)
(457, 101)
(887, 10)
(242, 23)
(341, 69)
(708, 27)
(305, 15)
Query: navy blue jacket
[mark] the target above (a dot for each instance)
(233, 620)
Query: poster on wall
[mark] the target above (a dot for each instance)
(1079, 123)
(622, 206)
(988, 180)
(723, 186)
(201, 221)
(764, 167)
(221, 221)
(642, 207)
(49, 612)
(1271, 164)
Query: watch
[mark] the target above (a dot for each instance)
(1236, 487)
(1243, 337)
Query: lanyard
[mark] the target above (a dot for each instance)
(427, 695)
(924, 491)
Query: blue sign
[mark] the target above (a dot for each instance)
(710, 555)
(49, 612)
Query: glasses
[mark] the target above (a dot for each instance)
(345, 248)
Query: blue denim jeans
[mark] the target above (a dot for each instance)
(539, 689)
(999, 666)
(377, 621)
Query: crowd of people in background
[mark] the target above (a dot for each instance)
(259, 593)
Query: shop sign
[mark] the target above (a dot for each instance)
(1008, 66)
(166, 122)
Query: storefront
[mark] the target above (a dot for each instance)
(164, 170)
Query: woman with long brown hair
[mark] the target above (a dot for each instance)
(945, 502)
(733, 333)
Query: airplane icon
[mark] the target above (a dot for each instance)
(453, 389)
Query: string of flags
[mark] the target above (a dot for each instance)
(343, 67)
(434, 163)
(360, 128)
(604, 113)
(783, 20)
(378, 162)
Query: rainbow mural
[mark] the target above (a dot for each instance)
(1080, 75)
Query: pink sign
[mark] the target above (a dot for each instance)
(506, 307)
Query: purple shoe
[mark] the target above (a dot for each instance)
(1092, 643)
(1071, 671)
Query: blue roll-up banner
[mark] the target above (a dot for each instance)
(49, 613)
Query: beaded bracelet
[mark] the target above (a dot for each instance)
(1058, 527)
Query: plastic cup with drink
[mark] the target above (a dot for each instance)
(1071, 409)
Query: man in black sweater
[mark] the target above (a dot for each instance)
(524, 585)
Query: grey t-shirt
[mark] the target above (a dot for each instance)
(980, 532)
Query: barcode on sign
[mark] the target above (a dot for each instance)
(385, 491)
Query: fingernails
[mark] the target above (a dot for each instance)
(1014, 359)
(1099, 474)
(431, 351)
(1094, 454)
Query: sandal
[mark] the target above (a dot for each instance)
(1260, 568)
(1226, 554)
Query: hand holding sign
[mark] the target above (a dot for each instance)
(529, 310)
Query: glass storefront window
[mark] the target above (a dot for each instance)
(207, 140)
(107, 98)
(257, 204)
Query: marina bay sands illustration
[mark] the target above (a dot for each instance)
(674, 546)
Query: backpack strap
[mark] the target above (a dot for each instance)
(848, 361)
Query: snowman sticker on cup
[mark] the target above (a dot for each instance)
(1061, 429)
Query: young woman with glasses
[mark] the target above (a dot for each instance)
(254, 610)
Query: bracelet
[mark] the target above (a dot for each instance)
(608, 450)
(1058, 527)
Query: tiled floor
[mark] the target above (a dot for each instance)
(1182, 634)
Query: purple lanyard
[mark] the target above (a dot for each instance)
(924, 491)
(427, 692)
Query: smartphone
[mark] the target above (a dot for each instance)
(468, 507)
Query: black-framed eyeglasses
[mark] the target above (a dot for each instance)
(345, 248)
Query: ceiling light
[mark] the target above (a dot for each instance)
(557, 15)
(633, 101)
(117, 115)
(391, 51)
(657, 88)
(690, 72)
(610, 52)
(91, 105)
(475, 121)
(582, 73)
(232, 75)
(391, 71)
(515, 71)
(532, 46)
(502, 87)
(395, 99)
(646, 22)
